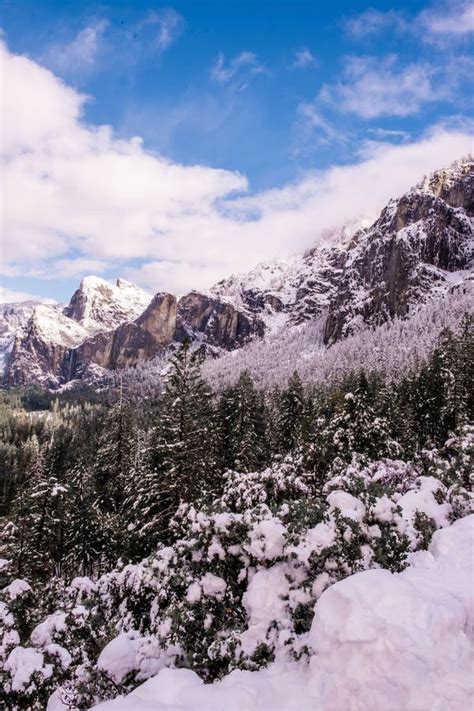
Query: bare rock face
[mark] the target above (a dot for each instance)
(130, 343)
(55, 348)
(220, 323)
(40, 347)
(416, 248)
(159, 319)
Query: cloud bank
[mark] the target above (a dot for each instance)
(77, 199)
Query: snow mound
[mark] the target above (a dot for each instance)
(380, 641)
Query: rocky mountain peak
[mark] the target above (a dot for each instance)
(99, 305)
(453, 184)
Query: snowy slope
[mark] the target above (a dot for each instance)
(394, 347)
(13, 317)
(99, 305)
(380, 641)
(293, 290)
(41, 338)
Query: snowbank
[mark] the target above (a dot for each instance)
(381, 641)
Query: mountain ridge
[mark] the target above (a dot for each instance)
(421, 244)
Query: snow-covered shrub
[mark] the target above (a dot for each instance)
(237, 586)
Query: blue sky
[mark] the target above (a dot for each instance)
(261, 102)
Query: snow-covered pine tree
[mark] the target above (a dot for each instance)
(355, 428)
(149, 502)
(35, 534)
(185, 444)
(112, 466)
(465, 370)
(242, 426)
(290, 422)
(85, 540)
(114, 456)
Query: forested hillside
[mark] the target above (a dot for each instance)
(157, 515)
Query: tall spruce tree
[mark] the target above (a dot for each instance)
(291, 415)
(242, 425)
(36, 532)
(185, 445)
(149, 501)
(85, 540)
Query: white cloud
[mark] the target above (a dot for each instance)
(10, 296)
(374, 87)
(436, 23)
(372, 21)
(456, 19)
(245, 61)
(303, 58)
(79, 54)
(312, 119)
(74, 189)
(168, 25)
(389, 133)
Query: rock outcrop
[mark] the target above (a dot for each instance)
(98, 305)
(421, 244)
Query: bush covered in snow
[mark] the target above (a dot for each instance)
(236, 588)
(380, 640)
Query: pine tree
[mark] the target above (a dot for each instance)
(149, 503)
(85, 539)
(114, 457)
(243, 426)
(36, 531)
(464, 375)
(356, 429)
(291, 415)
(185, 439)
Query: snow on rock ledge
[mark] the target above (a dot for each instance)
(381, 641)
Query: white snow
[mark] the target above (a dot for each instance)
(424, 501)
(22, 663)
(17, 588)
(44, 633)
(52, 326)
(209, 585)
(264, 602)
(380, 642)
(213, 586)
(322, 536)
(347, 504)
(267, 539)
(104, 306)
(117, 658)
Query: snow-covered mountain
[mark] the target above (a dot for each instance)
(13, 317)
(98, 305)
(44, 333)
(420, 245)
(364, 275)
(293, 290)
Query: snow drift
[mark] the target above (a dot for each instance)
(380, 641)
